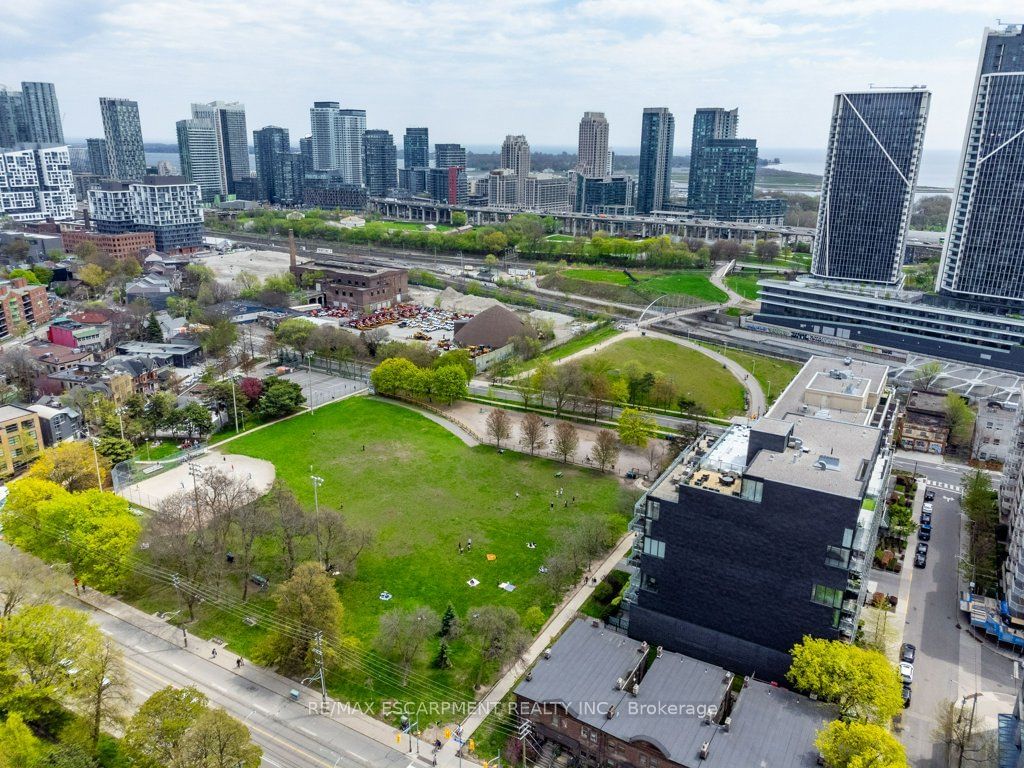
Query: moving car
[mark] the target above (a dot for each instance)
(907, 653)
(907, 672)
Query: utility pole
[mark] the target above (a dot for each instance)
(234, 401)
(318, 656)
(317, 482)
(523, 732)
(309, 379)
(96, 457)
(196, 471)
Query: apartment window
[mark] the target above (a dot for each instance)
(654, 547)
(752, 490)
(829, 596)
(11, 428)
(648, 582)
(653, 509)
(837, 557)
(589, 735)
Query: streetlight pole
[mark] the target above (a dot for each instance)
(309, 379)
(96, 457)
(234, 401)
(317, 482)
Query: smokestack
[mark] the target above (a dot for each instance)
(293, 255)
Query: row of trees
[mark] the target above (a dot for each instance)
(63, 686)
(400, 376)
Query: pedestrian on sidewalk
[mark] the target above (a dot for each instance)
(238, 663)
(76, 585)
(213, 653)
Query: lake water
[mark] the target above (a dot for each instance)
(938, 166)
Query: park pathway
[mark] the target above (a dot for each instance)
(755, 395)
(735, 300)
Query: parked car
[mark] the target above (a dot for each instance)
(906, 695)
(922, 548)
(924, 533)
(926, 518)
(907, 672)
(920, 560)
(927, 508)
(929, 495)
(907, 653)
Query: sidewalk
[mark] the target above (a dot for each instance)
(561, 618)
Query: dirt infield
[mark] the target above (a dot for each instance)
(148, 493)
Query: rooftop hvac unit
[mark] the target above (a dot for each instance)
(705, 748)
(611, 712)
(635, 689)
(529, 675)
(707, 719)
(619, 683)
(726, 724)
(660, 649)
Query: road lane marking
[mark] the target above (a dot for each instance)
(266, 734)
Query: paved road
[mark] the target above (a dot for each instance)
(950, 662)
(290, 736)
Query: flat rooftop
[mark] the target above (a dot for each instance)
(327, 264)
(838, 389)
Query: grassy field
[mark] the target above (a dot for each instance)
(560, 238)
(689, 283)
(696, 376)
(745, 284)
(147, 452)
(413, 225)
(771, 373)
(579, 343)
(421, 492)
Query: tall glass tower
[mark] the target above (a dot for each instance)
(874, 152)
(268, 142)
(416, 148)
(657, 133)
(42, 113)
(380, 162)
(983, 260)
(123, 132)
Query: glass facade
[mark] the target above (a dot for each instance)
(380, 163)
(657, 134)
(449, 156)
(268, 142)
(416, 148)
(42, 113)
(123, 132)
(874, 152)
(605, 194)
(722, 175)
(984, 251)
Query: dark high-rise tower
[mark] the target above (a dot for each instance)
(42, 113)
(449, 156)
(983, 258)
(874, 152)
(380, 162)
(416, 148)
(13, 121)
(654, 180)
(99, 159)
(269, 141)
(123, 132)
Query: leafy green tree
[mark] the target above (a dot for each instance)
(449, 621)
(459, 218)
(295, 332)
(534, 619)
(153, 332)
(71, 465)
(457, 357)
(862, 683)
(44, 275)
(960, 417)
(498, 634)
(859, 745)
(115, 449)
(195, 418)
(19, 748)
(154, 732)
(980, 503)
(394, 375)
(159, 411)
(635, 428)
(927, 373)
(217, 740)
(308, 599)
(219, 336)
(448, 383)
(29, 275)
(443, 659)
(280, 398)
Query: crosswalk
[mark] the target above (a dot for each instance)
(946, 486)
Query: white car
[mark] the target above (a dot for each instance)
(927, 507)
(907, 672)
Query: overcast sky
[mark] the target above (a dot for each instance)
(474, 71)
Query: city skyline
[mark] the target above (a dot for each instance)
(775, 55)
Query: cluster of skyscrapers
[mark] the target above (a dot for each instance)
(855, 291)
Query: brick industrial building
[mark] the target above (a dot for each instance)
(360, 288)
(121, 245)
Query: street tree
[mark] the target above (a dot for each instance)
(498, 634)
(24, 581)
(217, 740)
(858, 745)
(605, 451)
(71, 465)
(927, 374)
(862, 683)
(295, 332)
(499, 426)
(179, 541)
(308, 599)
(567, 440)
(532, 432)
(583, 541)
(153, 733)
(402, 633)
(635, 427)
(101, 686)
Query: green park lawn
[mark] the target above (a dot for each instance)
(413, 225)
(422, 491)
(695, 375)
(560, 238)
(579, 343)
(771, 373)
(688, 283)
(146, 452)
(745, 284)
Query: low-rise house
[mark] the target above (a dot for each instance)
(82, 336)
(180, 354)
(146, 372)
(925, 427)
(56, 357)
(994, 431)
(611, 700)
(58, 423)
(155, 289)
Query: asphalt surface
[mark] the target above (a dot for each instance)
(950, 662)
